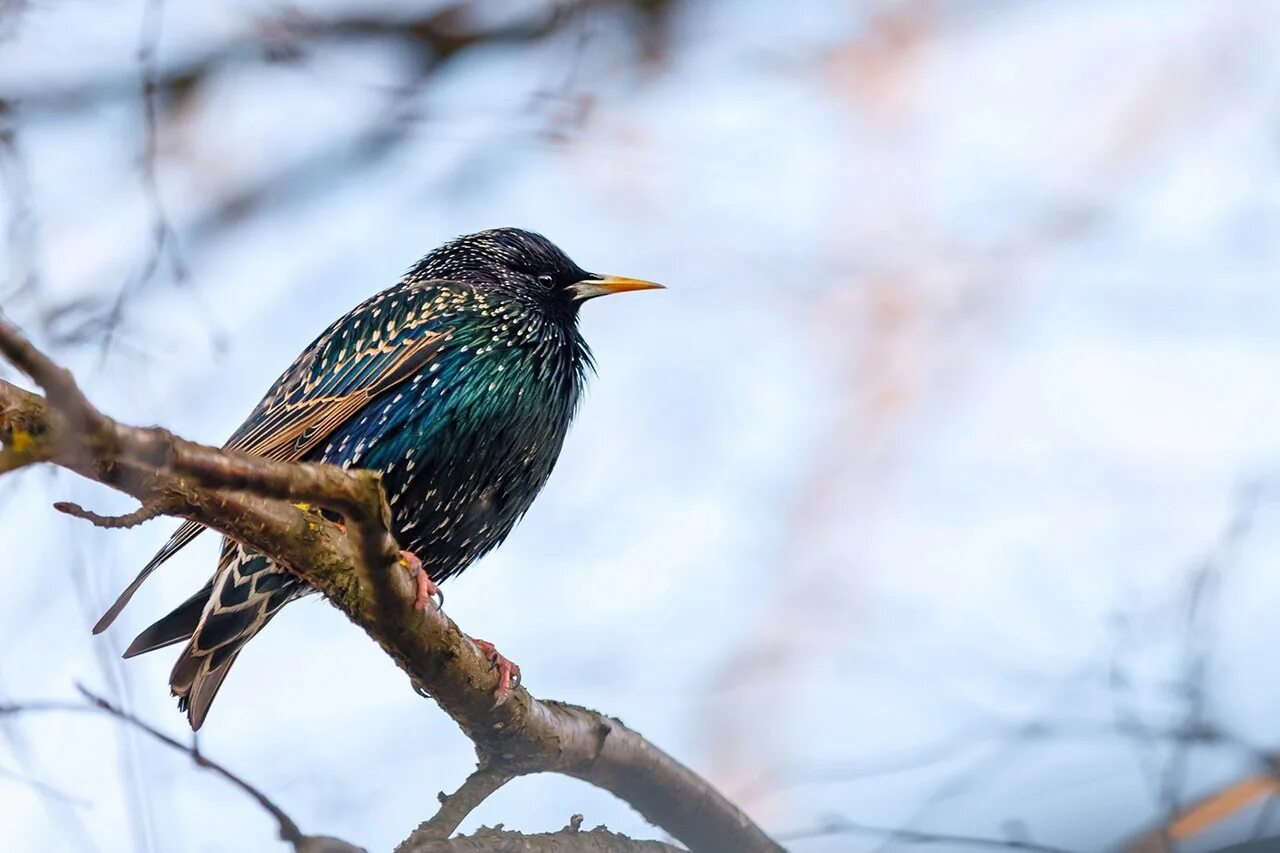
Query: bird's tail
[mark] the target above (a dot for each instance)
(245, 593)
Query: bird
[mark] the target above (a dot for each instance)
(457, 384)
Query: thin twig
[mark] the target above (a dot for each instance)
(163, 237)
(142, 514)
(21, 231)
(289, 830)
(840, 826)
(455, 807)
(44, 789)
(1194, 729)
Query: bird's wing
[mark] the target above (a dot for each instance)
(287, 428)
(361, 356)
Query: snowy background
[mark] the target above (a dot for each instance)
(938, 492)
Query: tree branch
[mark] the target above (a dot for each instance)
(253, 501)
(455, 807)
(571, 839)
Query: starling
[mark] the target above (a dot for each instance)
(457, 385)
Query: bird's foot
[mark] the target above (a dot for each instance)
(428, 590)
(508, 672)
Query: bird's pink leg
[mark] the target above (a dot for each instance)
(427, 589)
(508, 672)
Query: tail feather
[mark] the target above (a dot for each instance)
(183, 535)
(175, 627)
(243, 596)
(195, 681)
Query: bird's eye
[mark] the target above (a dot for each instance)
(546, 280)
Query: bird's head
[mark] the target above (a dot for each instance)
(526, 262)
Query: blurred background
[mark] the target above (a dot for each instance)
(935, 499)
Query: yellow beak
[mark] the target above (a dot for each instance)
(606, 284)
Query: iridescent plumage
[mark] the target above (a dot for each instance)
(457, 384)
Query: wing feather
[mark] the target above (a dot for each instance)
(325, 387)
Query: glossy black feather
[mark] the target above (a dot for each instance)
(458, 385)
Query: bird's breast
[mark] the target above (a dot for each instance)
(467, 449)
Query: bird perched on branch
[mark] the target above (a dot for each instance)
(457, 384)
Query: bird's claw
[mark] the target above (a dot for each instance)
(428, 590)
(508, 672)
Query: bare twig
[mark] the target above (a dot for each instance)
(44, 789)
(289, 830)
(141, 515)
(437, 33)
(21, 230)
(841, 826)
(61, 812)
(434, 37)
(455, 807)
(164, 240)
(1178, 820)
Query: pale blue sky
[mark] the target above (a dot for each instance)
(970, 341)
